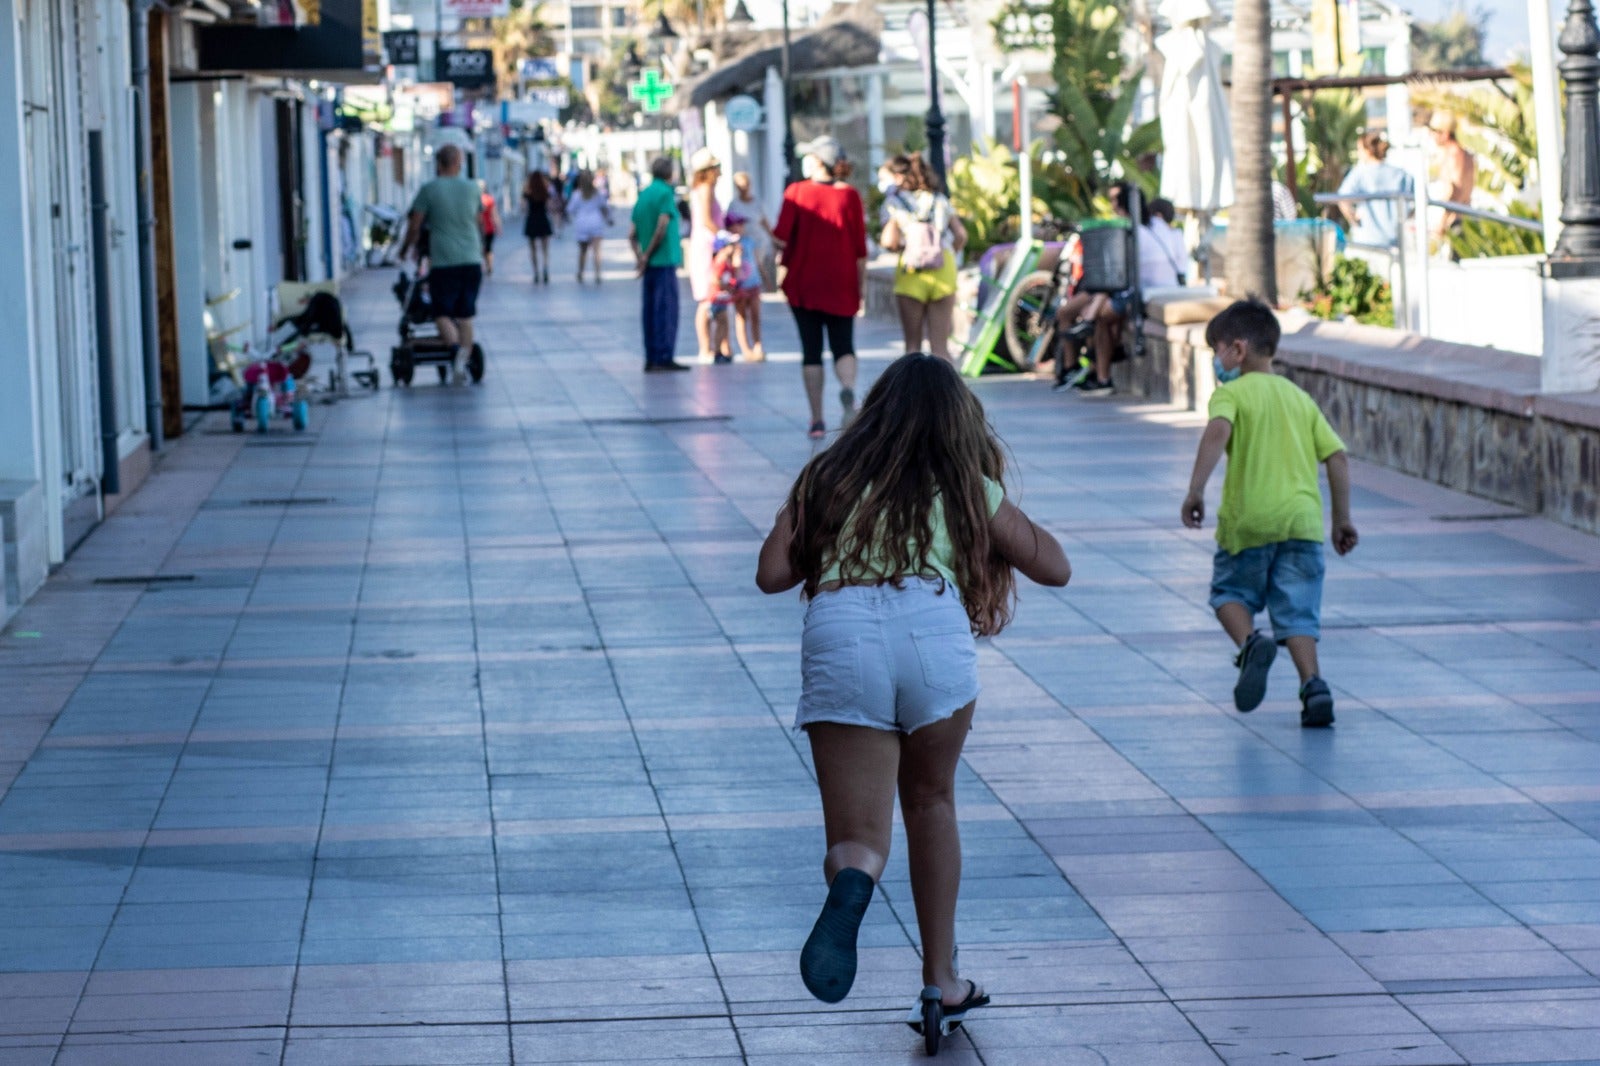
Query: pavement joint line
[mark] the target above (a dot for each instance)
(1524, 714)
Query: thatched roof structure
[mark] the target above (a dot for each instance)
(848, 38)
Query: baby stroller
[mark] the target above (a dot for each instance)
(317, 315)
(419, 337)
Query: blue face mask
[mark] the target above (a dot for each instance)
(1224, 375)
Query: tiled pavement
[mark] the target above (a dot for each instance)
(478, 752)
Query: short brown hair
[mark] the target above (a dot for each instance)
(1375, 143)
(1249, 320)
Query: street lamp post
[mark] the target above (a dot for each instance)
(789, 160)
(935, 119)
(1580, 187)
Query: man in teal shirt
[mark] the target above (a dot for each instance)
(450, 206)
(657, 249)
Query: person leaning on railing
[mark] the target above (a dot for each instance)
(1375, 223)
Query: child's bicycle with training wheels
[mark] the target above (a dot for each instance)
(271, 391)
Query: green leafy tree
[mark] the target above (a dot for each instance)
(1094, 98)
(1331, 122)
(986, 190)
(1455, 42)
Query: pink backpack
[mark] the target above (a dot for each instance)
(924, 242)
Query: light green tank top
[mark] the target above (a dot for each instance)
(941, 554)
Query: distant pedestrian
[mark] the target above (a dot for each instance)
(822, 232)
(1269, 527)
(1457, 171)
(658, 253)
(924, 229)
(739, 280)
(558, 201)
(1284, 207)
(489, 220)
(705, 221)
(758, 228)
(536, 192)
(901, 537)
(591, 215)
(451, 207)
(1163, 256)
(1375, 223)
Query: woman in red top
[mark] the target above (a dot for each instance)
(822, 230)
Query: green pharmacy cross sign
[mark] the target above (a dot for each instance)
(650, 90)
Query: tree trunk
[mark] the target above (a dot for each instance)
(1251, 257)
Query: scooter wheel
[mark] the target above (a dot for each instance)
(263, 412)
(932, 1024)
(301, 413)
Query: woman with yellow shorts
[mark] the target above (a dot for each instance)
(923, 228)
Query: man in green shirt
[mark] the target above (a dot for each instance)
(450, 206)
(1269, 527)
(658, 252)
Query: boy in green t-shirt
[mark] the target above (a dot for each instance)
(1269, 527)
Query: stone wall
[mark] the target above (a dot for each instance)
(1469, 418)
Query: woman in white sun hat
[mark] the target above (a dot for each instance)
(705, 221)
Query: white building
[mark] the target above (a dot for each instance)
(109, 280)
(73, 412)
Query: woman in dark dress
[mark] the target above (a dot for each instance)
(536, 201)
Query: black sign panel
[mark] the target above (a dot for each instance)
(466, 68)
(402, 47)
(334, 43)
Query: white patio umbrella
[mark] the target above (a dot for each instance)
(1197, 146)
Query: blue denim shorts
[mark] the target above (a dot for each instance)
(887, 658)
(1285, 578)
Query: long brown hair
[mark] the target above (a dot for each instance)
(536, 190)
(915, 174)
(920, 441)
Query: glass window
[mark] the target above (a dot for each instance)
(619, 18)
(586, 18)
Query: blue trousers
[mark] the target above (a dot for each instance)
(660, 314)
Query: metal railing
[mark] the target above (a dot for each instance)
(1420, 201)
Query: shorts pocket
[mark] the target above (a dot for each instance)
(949, 658)
(831, 674)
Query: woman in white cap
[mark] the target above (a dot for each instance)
(822, 229)
(705, 221)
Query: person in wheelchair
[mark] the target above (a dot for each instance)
(1098, 317)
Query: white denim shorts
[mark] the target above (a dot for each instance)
(887, 658)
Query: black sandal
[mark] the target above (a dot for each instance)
(828, 960)
(935, 1021)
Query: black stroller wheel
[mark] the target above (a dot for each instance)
(475, 363)
(444, 373)
(402, 366)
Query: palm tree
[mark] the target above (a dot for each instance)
(1251, 255)
(700, 15)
